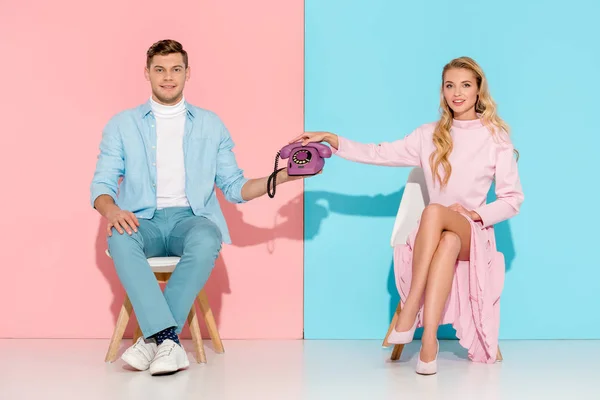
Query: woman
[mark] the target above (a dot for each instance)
(449, 271)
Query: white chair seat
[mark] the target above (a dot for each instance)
(160, 264)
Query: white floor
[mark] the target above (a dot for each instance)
(75, 369)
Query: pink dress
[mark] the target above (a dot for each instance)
(473, 306)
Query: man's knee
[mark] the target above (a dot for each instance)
(123, 242)
(204, 237)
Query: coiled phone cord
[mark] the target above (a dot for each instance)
(273, 177)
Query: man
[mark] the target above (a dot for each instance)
(169, 154)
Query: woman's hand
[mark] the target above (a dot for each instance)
(460, 209)
(316, 137)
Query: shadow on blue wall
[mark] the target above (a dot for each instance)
(385, 206)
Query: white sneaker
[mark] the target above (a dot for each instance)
(141, 354)
(170, 357)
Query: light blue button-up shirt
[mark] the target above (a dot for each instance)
(128, 150)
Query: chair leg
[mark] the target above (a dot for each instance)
(397, 352)
(392, 324)
(117, 336)
(196, 335)
(211, 324)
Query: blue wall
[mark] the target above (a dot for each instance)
(372, 74)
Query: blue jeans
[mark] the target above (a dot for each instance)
(170, 232)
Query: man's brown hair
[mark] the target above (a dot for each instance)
(165, 47)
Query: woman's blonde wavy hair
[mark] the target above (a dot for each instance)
(485, 107)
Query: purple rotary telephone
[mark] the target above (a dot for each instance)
(304, 160)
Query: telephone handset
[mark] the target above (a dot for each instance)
(304, 160)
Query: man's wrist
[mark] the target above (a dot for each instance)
(107, 209)
(282, 176)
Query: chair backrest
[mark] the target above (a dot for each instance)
(414, 199)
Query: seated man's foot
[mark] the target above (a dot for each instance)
(170, 358)
(168, 333)
(141, 354)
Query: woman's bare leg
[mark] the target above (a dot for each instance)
(434, 221)
(439, 284)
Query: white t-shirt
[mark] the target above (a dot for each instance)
(170, 168)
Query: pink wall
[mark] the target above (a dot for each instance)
(67, 67)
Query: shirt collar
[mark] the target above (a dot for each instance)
(146, 109)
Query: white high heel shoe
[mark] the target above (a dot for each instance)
(428, 368)
(404, 337)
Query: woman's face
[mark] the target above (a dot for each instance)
(460, 92)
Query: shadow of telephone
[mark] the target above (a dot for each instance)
(304, 161)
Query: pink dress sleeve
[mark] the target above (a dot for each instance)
(509, 194)
(405, 152)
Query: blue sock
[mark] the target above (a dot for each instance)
(165, 334)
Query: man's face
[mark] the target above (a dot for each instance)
(167, 76)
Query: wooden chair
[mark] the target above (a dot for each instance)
(163, 267)
(414, 200)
